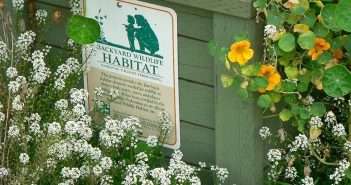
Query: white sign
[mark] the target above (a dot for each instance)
(137, 54)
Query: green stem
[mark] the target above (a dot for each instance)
(322, 160)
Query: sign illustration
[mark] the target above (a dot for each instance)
(136, 54)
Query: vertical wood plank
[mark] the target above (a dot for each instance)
(238, 146)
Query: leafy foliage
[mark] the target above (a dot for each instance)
(303, 80)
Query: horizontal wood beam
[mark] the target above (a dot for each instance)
(238, 8)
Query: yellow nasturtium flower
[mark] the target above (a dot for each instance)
(320, 45)
(272, 76)
(240, 52)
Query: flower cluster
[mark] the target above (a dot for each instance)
(41, 16)
(18, 5)
(25, 40)
(339, 173)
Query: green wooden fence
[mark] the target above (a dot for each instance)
(216, 126)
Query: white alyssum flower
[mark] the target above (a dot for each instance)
(265, 132)
(94, 153)
(106, 163)
(161, 175)
(85, 170)
(60, 84)
(41, 15)
(54, 128)
(13, 131)
(18, 5)
(40, 71)
(221, 173)
(165, 122)
(73, 64)
(25, 40)
(61, 150)
(21, 80)
(70, 173)
(24, 158)
(290, 173)
(330, 118)
(316, 122)
(152, 141)
(300, 143)
(97, 170)
(51, 163)
(17, 104)
(4, 172)
(106, 180)
(181, 171)
(2, 117)
(98, 92)
(70, 43)
(14, 87)
(113, 93)
(34, 118)
(202, 164)
(347, 146)
(307, 181)
(270, 31)
(339, 173)
(135, 173)
(78, 95)
(71, 127)
(274, 155)
(309, 100)
(79, 110)
(11, 72)
(3, 52)
(75, 7)
(81, 147)
(339, 130)
(35, 128)
(112, 135)
(61, 104)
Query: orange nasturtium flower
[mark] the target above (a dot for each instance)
(240, 52)
(320, 45)
(272, 76)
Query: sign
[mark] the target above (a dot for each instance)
(136, 54)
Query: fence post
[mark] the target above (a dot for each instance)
(238, 146)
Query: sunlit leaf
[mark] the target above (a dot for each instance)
(83, 30)
(336, 81)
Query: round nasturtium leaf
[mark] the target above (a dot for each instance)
(301, 28)
(325, 58)
(287, 42)
(285, 115)
(275, 96)
(302, 87)
(301, 8)
(318, 109)
(304, 113)
(291, 72)
(320, 30)
(306, 40)
(261, 82)
(343, 15)
(264, 101)
(328, 16)
(83, 30)
(336, 81)
(309, 19)
(243, 94)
